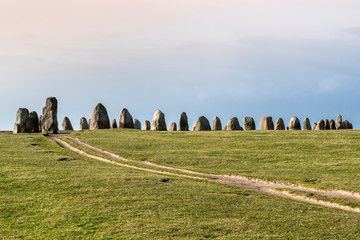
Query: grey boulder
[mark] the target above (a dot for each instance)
(306, 124)
(146, 126)
(66, 124)
(113, 124)
(202, 124)
(320, 125)
(217, 126)
(83, 124)
(183, 122)
(125, 119)
(234, 125)
(158, 122)
(279, 124)
(99, 118)
(266, 123)
(21, 121)
(172, 126)
(137, 124)
(34, 126)
(249, 124)
(294, 124)
(49, 122)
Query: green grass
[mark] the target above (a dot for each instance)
(320, 159)
(340, 201)
(49, 193)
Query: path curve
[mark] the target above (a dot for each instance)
(238, 181)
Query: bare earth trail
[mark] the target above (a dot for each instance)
(238, 181)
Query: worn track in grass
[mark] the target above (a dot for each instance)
(238, 181)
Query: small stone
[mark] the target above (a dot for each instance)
(216, 124)
(306, 124)
(266, 123)
(137, 124)
(83, 124)
(294, 124)
(183, 122)
(99, 118)
(113, 124)
(146, 126)
(314, 126)
(172, 126)
(158, 122)
(125, 119)
(234, 125)
(225, 128)
(66, 124)
(202, 124)
(280, 125)
(249, 124)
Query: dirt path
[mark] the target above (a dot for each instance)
(238, 181)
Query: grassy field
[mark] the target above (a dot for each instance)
(49, 193)
(321, 159)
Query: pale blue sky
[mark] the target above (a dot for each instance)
(225, 58)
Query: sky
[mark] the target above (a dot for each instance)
(229, 58)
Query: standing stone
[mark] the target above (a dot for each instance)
(327, 124)
(314, 126)
(49, 121)
(137, 124)
(183, 122)
(33, 122)
(266, 123)
(225, 128)
(21, 121)
(339, 118)
(234, 125)
(66, 124)
(340, 125)
(306, 124)
(249, 124)
(294, 124)
(83, 124)
(332, 124)
(158, 122)
(320, 125)
(146, 126)
(280, 125)
(40, 120)
(194, 127)
(217, 126)
(89, 123)
(125, 119)
(99, 118)
(172, 126)
(347, 124)
(202, 124)
(113, 124)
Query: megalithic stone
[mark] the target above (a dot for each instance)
(49, 121)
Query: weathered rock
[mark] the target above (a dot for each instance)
(340, 125)
(83, 124)
(172, 126)
(306, 124)
(294, 124)
(40, 120)
(89, 123)
(327, 124)
(279, 124)
(99, 118)
(347, 124)
(113, 124)
(125, 119)
(320, 125)
(146, 126)
(21, 121)
(183, 122)
(314, 126)
(202, 124)
(66, 124)
(332, 124)
(33, 122)
(137, 124)
(158, 122)
(49, 121)
(225, 128)
(217, 126)
(249, 124)
(234, 125)
(266, 123)
(339, 118)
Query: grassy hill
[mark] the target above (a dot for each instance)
(49, 193)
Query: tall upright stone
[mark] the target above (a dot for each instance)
(266, 123)
(49, 121)
(249, 124)
(113, 124)
(234, 125)
(21, 121)
(306, 124)
(332, 124)
(320, 125)
(66, 124)
(137, 124)
(327, 124)
(83, 124)
(202, 124)
(34, 122)
(147, 125)
(294, 124)
(99, 118)
(339, 118)
(125, 119)
(183, 122)
(172, 127)
(279, 124)
(158, 122)
(217, 126)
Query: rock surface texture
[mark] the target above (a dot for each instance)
(266, 123)
(249, 124)
(306, 124)
(158, 122)
(21, 121)
(113, 124)
(125, 119)
(83, 124)
(147, 125)
(183, 122)
(99, 118)
(234, 125)
(34, 126)
(172, 126)
(217, 126)
(320, 125)
(49, 122)
(66, 124)
(279, 124)
(327, 124)
(202, 124)
(332, 124)
(137, 124)
(294, 124)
